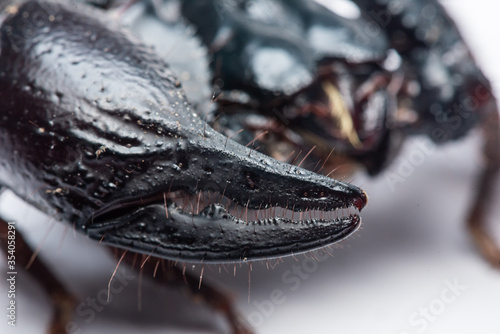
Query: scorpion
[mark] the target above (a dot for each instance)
(97, 130)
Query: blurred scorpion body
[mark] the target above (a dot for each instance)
(150, 176)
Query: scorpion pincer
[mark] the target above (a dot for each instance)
(145, 173)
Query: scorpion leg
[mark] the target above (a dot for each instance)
(486, 185)
(63, 300)
(172, 275)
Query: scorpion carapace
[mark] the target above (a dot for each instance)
(307, 69)
(114, 147)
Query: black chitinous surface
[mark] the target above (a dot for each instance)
(96, 131)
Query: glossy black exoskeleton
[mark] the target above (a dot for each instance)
(95, 131)
(107, 140)
(140, 149)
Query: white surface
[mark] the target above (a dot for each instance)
(412, 242)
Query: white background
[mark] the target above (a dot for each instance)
(412, 241)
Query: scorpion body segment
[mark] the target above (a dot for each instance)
(114, 147)
(453, 94)
(278, 43)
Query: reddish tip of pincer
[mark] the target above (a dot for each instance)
(360, 202)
